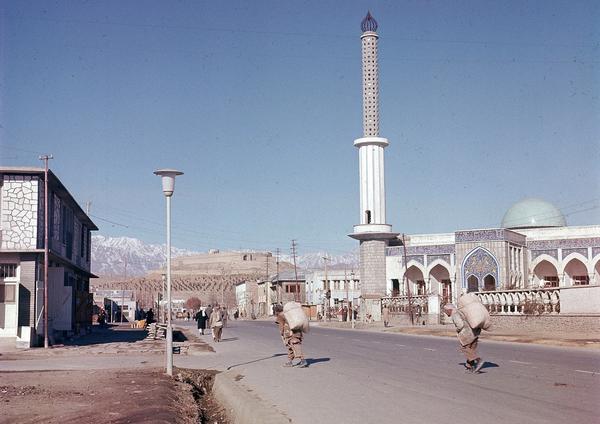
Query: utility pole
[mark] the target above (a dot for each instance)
(352, 308)
(296, 271)
(326, 289)
(45, 158)
(277, 281)
(266, 286)
(123, 292)
(88, 207)
(407, 284)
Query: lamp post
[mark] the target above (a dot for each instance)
(352, 304)
(161, 311)
(168, 186)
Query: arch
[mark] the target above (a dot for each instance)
(438, 262)
(437, 274)
(545, 273)
(576, 272)
(413, 263)
(596, 273)
(479, 262)
(472, 284)
(541, 258)
(489, 283)
(578, 256)
(414, 277)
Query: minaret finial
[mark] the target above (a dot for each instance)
(368, 24)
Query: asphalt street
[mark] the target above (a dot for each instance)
(365, 377)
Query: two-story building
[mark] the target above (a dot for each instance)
(22, 227)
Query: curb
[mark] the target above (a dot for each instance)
(241, 405)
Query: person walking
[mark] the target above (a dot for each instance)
(292, 339)
(216, 324)
(385, 312)
(150, 316)
(467, 337)
(201, 319)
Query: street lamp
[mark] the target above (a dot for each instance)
(168, 186)
(353, 291)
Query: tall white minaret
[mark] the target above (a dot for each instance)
(373, 232)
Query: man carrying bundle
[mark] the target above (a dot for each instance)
(469, 318)
(291, 326)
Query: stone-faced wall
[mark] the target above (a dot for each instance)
(19, 212)
(372, 267)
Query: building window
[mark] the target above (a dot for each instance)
(581, 280)
(446, 291)
(420, 287)
(8, 271)
(550, 281)
(7, 293)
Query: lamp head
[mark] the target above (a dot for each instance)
(168, 180)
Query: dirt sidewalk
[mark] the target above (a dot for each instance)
(109, 389)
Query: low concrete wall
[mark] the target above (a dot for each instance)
(573, 324)
(580, 300)
(241, 405)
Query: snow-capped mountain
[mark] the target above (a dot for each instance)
(120, 256)
(314, 260)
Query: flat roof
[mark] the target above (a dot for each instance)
(58, 187)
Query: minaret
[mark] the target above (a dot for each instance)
(373, 232)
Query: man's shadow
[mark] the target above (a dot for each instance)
(311, 361)
(486, 364)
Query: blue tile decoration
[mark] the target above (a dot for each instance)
(432, 258)
(550, 252)
(495, 234)
(417, 258)
(581, 251)
(434, 249)
(480, 263)
(480, 235)
(564, 243)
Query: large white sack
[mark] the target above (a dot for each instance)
(467, 299)
(295, 316)
(475, 313)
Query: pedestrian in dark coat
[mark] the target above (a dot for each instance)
(201, 319)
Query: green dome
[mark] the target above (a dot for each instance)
(532, 213)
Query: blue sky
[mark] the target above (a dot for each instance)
(484, 103)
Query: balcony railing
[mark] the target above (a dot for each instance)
(506, 302)
(400, 304)
(522, 302)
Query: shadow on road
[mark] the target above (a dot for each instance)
(257, 360)
(230, 339)
(111, 334)
(311, 361)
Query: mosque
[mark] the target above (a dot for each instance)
(532, 248)
(533, 256)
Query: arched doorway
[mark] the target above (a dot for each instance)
(545, 275)
(577, 273)
(472, 284)
(479, 263)
(439, 280)
(489, 283)
(415, 280)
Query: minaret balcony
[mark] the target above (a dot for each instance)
(371, 141)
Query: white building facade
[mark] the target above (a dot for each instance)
(506, 266)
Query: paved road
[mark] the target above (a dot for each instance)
(367, 377)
